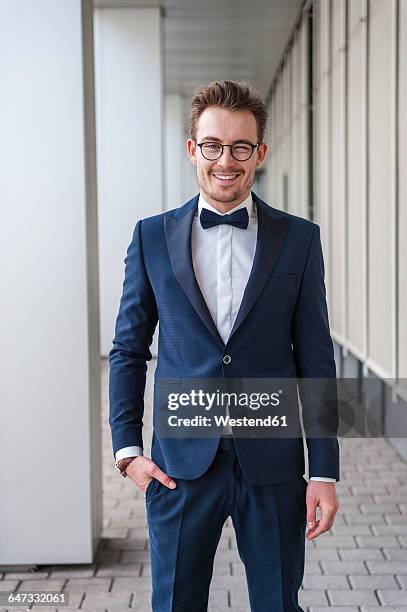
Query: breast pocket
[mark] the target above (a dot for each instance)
(281, 282)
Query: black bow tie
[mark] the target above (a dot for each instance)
(239, 218)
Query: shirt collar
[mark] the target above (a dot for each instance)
(248, 203)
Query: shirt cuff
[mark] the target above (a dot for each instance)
(323, 479)
(128, 451)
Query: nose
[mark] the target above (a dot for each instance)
(226, 158)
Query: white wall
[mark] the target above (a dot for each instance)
(287, 162)
(359, 140)
(356, 169)
(402, 198)
(337, 158)
(381, 299)
(130, 151)
(322, 134)
(50, 435)
(175, 151)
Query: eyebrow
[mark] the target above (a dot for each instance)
(214, 139)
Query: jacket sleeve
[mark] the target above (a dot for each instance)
(314, 356)
(134, 330)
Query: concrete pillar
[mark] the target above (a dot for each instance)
(175, 150)
(50, 434)
(129, 111)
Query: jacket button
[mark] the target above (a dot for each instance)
(227, 359)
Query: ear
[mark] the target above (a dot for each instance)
(261, 154)
(191, 147)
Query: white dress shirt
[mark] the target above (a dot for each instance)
(222, 258)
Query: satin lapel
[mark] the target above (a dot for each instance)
(271, 233)
(178, 235)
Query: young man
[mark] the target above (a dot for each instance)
(238, 288)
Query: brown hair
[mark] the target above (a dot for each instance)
(232, 95)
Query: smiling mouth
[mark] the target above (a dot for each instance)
(225, 178)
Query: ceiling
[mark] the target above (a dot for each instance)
(207, 40)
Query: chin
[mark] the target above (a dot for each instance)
(232, 197)
(225, 197)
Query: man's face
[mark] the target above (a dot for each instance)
(227, 127)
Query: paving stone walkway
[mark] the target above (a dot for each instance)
(359, 566)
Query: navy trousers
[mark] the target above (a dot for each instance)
(185, 525)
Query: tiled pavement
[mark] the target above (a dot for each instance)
(360, 565)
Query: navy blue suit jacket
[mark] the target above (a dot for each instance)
(281, 331)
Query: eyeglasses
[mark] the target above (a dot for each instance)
(240, 151)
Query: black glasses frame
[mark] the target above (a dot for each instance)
(253, 146)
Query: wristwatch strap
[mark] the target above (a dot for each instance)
(123, 464)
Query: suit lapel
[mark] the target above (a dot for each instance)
(271, 233)
(178, 234)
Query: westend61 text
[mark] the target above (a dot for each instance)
(220, 421)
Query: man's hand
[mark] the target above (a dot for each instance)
(322, 494)
(142, 470)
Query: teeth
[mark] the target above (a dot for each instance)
(225, 176)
